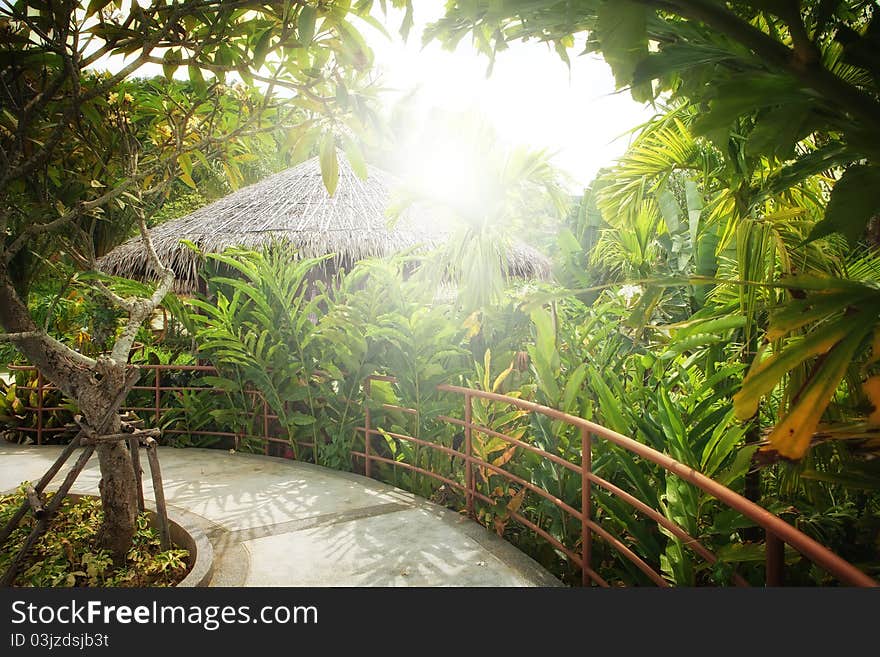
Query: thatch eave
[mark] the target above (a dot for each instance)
(293, 206)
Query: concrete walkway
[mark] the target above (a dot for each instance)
(275, 522)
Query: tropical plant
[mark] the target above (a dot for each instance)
(790, 120)
(61, 116)
(791, 69)
(258, 333)
(490, 196)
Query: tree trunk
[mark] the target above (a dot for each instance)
(753, 435)
(93, 385)
(118, 485)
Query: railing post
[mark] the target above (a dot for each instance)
(586, 509)
(265, 425)
(468, 452)
(39, 407)
(158, 395)
(774, 559)
(367, 427)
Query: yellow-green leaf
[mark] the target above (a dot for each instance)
(305, 24)
(185, 162)
(186, 178)
(329, 163)
(800, 312)
(355, 157)
(95, 6)
(791, 437)
(764, 375)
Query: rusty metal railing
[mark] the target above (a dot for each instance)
(778, 533)
(156, 412)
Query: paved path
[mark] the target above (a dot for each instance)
(276, 522)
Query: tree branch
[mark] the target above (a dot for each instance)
(143, 308)
(50, 342)
(67, 217)
(24, 335)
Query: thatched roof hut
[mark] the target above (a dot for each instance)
(294, 206)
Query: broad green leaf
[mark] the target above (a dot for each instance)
(622, 31)
(185, 163)
(609, 404)
(196, 78)
(641, 312)
(723, 442)
(739, 552)
(718, 326)
(669, 210)
(329, 163)
(305, 142)
(261, 48)
(695, 207)
(170, 62)
(689, 343)
(305, 24)
(740, 466)
(355, 157)
(573, 388)
(855, 199)
(800, 312)
(778, 130)
(301, 419)
(95, 6)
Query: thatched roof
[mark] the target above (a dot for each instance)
(294, 206)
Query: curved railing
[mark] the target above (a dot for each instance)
(777, 532)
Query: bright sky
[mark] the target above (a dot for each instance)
(531, 97)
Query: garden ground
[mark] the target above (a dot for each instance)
(276, 522)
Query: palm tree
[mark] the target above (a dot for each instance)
(490, 195)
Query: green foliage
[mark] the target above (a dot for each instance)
(19, 401)
(497, 196)
(670, 405)
(259, 335)
(842, 315)
(281, 326)
(68, 553)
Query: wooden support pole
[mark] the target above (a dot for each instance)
(775, 559)
(35, 501)
(130, 419)
(133, 450)
(43, 523)
(115, 437)
(586, 510)
(158, 398)
(41, 485)
(159, 493)
(265, 426)
(367, 463)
